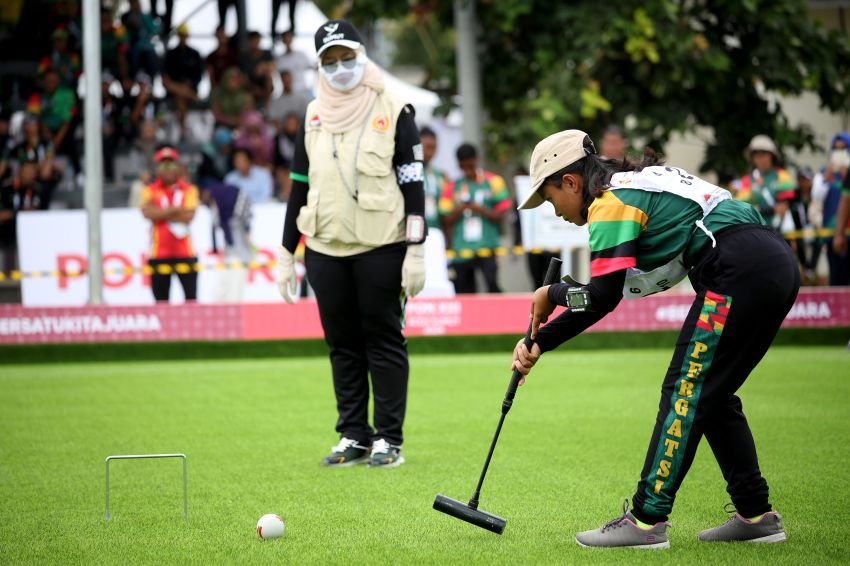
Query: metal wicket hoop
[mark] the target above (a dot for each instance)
(140, 456)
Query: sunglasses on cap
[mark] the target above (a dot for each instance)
(332, 66)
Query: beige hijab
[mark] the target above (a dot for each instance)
(343, 111)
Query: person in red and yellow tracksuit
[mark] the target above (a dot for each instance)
(169, 203)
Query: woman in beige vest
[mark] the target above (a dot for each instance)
(358, 199)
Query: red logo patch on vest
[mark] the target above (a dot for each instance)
(315, 122)
(381, 124)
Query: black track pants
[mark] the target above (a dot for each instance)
(361, 308)
(745, 287)
(161, 282)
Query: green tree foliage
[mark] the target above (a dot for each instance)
(671, 65)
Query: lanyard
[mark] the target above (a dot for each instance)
(354, 193)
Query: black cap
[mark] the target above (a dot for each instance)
(336, 32)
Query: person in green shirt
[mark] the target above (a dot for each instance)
(768, 187)
(472, 209)
(651, 225)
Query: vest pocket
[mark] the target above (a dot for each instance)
(376, 156)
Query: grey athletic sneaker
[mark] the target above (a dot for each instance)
(767, 529)
(625, 533)
(385, 455)
(348, 452)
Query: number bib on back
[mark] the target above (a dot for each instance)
(659, 179)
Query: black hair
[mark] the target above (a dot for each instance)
(426, 132)
(254, 35)
(615, 130)
(466, 151)
(596, 172)
(248, 153)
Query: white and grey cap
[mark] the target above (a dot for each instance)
(336, 32)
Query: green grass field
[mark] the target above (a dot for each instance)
(254, 432)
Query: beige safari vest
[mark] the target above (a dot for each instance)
(333, 222)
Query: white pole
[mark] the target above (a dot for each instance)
(93, 167)
(469, 74)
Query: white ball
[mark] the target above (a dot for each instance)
(270, 526)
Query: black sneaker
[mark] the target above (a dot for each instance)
(385, 455)
(347, 453)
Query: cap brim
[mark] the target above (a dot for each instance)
(534, 199)
(344, 42)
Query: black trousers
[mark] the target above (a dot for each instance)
(161, 282)
(464, 275)
(745, 287)
(361, 308)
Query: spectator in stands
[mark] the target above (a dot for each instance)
(21, 192)
(613, 143)
(288, 102)
(254, 136)
(231, 214)
(808, 214)
(294, 61)
(256, 182)
(767, 187)
(164, 18)
(472, 208)
(258, 65)
(56, 107)
(284, 146)
(142, 154)
(842, 233)
(215, 157)
(435, 180)
(6, 143)
(141, 29)
(62, 59)
(221, 59)
(184, 69)
(828, 186)
(113, 49)
(229, 100)
(276, 10)
(169, 203)
(34, 148)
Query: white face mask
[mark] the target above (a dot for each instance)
(343, 78)
(839, 158)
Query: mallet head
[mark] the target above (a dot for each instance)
(466, 513)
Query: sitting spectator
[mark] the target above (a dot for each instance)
(113, 49)
(284, 151)
(231, 213)
(21, 192)
(221, 59)
(181, 76)
(259, 65)
(215, 158)
(56, 106)
(33, 149)
(294, 61)
(254, 135)
(228, 100)
(62, 59)
(142, 153)
(288, 102)
(141, 29)
(255, 182)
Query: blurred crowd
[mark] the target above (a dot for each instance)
(233, 115)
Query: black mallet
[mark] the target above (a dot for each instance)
(470, 512)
